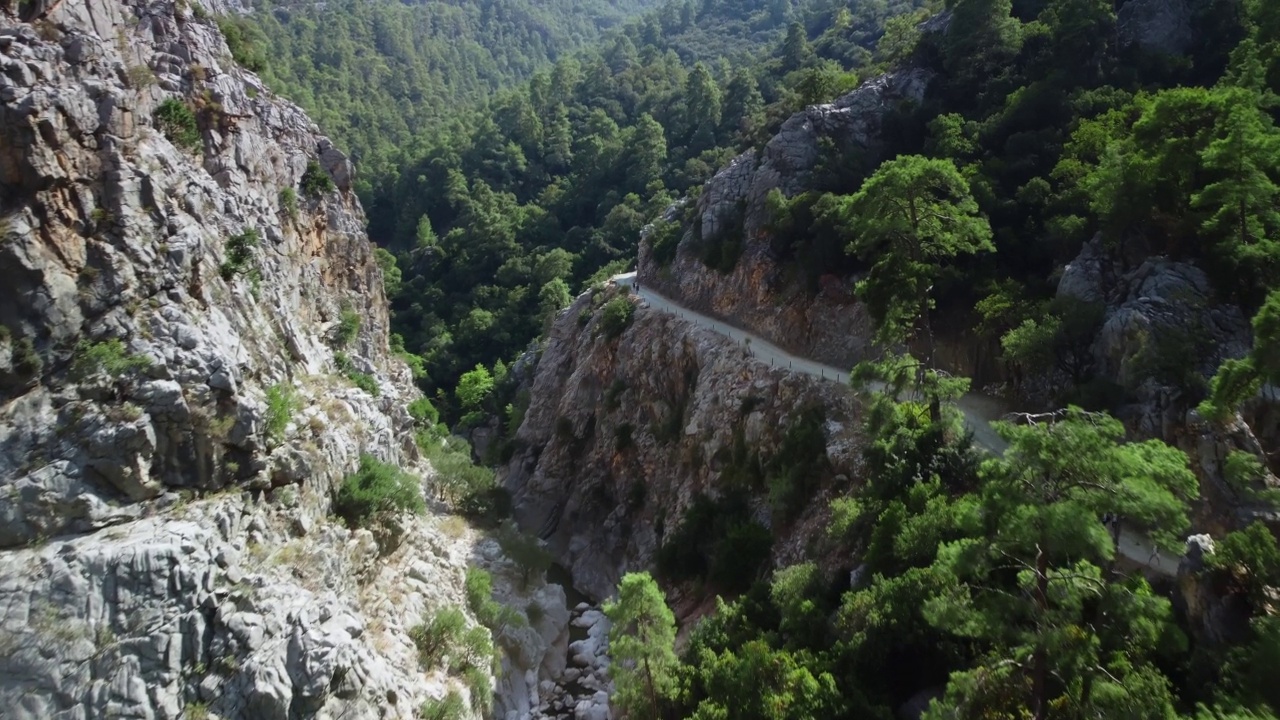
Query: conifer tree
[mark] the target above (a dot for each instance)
(1240, 205)
(642, 647)
(1034, 580)
(910, 218)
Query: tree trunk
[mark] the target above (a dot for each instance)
(1040, 660)
(653, 693)
(935, 403)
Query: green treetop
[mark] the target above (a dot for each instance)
(1033, 581)
(641, 644)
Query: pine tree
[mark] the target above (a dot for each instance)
(1034, 582)
(702, 109)
(1240, 378)
(795, 48)
(983, 35)
(1240, 205)
(648, 148)
(911, 217)
(743, 114)
(642, 647)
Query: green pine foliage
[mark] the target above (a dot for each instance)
(240, 256)
(641, 639)
(375, 489)
(174, 118)
(498, 212)
(109, 357)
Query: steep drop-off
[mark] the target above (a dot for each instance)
(623, 433)
(194, 354)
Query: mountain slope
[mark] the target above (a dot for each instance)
(382, 76)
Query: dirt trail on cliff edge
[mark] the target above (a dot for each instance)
(979, 410)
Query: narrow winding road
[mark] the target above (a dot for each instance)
(979, 410)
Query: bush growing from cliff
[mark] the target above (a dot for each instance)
(392, 276)
(794, 473)
(450, 707)
(598, 278)
(348, 328)
(716, 541)
(423, 412)
(469, 488)
(490, 613)
(289, 202)
(377, 488)
(26, 361)
(108, 356)
(281, 403)
(616, 317)
(315, 181)
(664, 239)
(240, 254)
(525, 551)
(446, 637)
(175, 119)
(364, 381)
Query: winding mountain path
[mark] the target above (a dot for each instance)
(979, 410)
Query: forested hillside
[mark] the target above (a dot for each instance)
(1048, 128)
(380, 76)
(989, 583)
(498, 213)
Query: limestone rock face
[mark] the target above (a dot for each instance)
(1161, 320)
(248, 608)
(1164, 331)
(830, 326)
(621, 434)
(176, 408)
(118, 241)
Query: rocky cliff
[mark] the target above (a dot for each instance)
(1162, 333)
(624, 432)
(193, 355)
(829, 326)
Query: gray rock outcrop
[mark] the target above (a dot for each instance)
(156, 338)
(622, 434)
(829, 326)
(1162, 26)
(1162, 327)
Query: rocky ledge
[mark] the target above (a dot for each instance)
(829, 326)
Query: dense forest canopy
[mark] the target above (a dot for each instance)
(378, 75)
